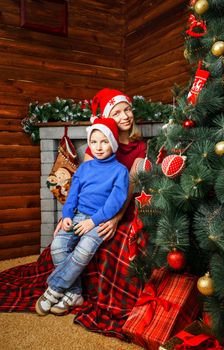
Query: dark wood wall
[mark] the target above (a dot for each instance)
(154, 47)
(130, 45)
(37, 66)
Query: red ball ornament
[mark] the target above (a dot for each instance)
(176, 259)
(189, 123)
(143, 165)
(173, 165)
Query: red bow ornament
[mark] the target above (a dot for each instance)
(194, 23)
(151, 297)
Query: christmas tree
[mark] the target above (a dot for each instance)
(182, 191)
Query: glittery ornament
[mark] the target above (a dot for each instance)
(201, 6)
(176, 259)
(189, 123)
(218, 48)
(144, 199)
(219, 148)
(205, 285)
(173, 165)
(144, 165)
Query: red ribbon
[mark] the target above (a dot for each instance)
(201, 341)
(151, 296)
(136, 226)
(194, 23)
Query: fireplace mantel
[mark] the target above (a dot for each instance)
(50, 136)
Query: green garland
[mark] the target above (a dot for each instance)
(62, 110)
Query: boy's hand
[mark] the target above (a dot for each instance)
(83, 227)
(67, 224)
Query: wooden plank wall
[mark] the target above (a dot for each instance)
(37, 66)
(132, 45)
(154, 47)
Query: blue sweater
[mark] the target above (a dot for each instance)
(99, 189)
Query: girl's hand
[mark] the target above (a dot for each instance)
(58, 227)
(83, 227)
(67, 224)
(108, 228)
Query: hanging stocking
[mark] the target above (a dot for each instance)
(200, 79)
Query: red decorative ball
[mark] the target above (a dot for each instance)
(189, 123)
(173, 165)
(176, 259)
(143, 165)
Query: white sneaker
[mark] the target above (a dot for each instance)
(67, 301)
(45, 302)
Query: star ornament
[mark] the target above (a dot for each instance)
(144, 199)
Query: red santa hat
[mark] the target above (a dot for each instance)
(106, 99)
(109, 128)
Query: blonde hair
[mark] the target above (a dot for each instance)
(135, 133)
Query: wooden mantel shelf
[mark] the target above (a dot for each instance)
(47, 124)
(55, 130)
(83, 123)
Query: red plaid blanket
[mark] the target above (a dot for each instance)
(110, 293)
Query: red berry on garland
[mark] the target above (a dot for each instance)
(173, 165)
(189, 123)
(176, 259)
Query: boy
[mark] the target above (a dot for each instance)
(99, 190)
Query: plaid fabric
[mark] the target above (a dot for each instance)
(21, 286)
(110, 293)
(174, 306)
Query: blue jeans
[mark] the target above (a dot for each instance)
(71, 254)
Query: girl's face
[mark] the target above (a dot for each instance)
(123, 115)
(99, 145)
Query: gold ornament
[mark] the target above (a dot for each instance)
(186, 54)
(201, 7)
(219, 148)
(218, 48)
(205, 285)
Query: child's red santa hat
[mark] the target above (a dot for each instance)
(106, 99)
(108, 127)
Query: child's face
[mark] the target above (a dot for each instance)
(123, 115)
(99, 145)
